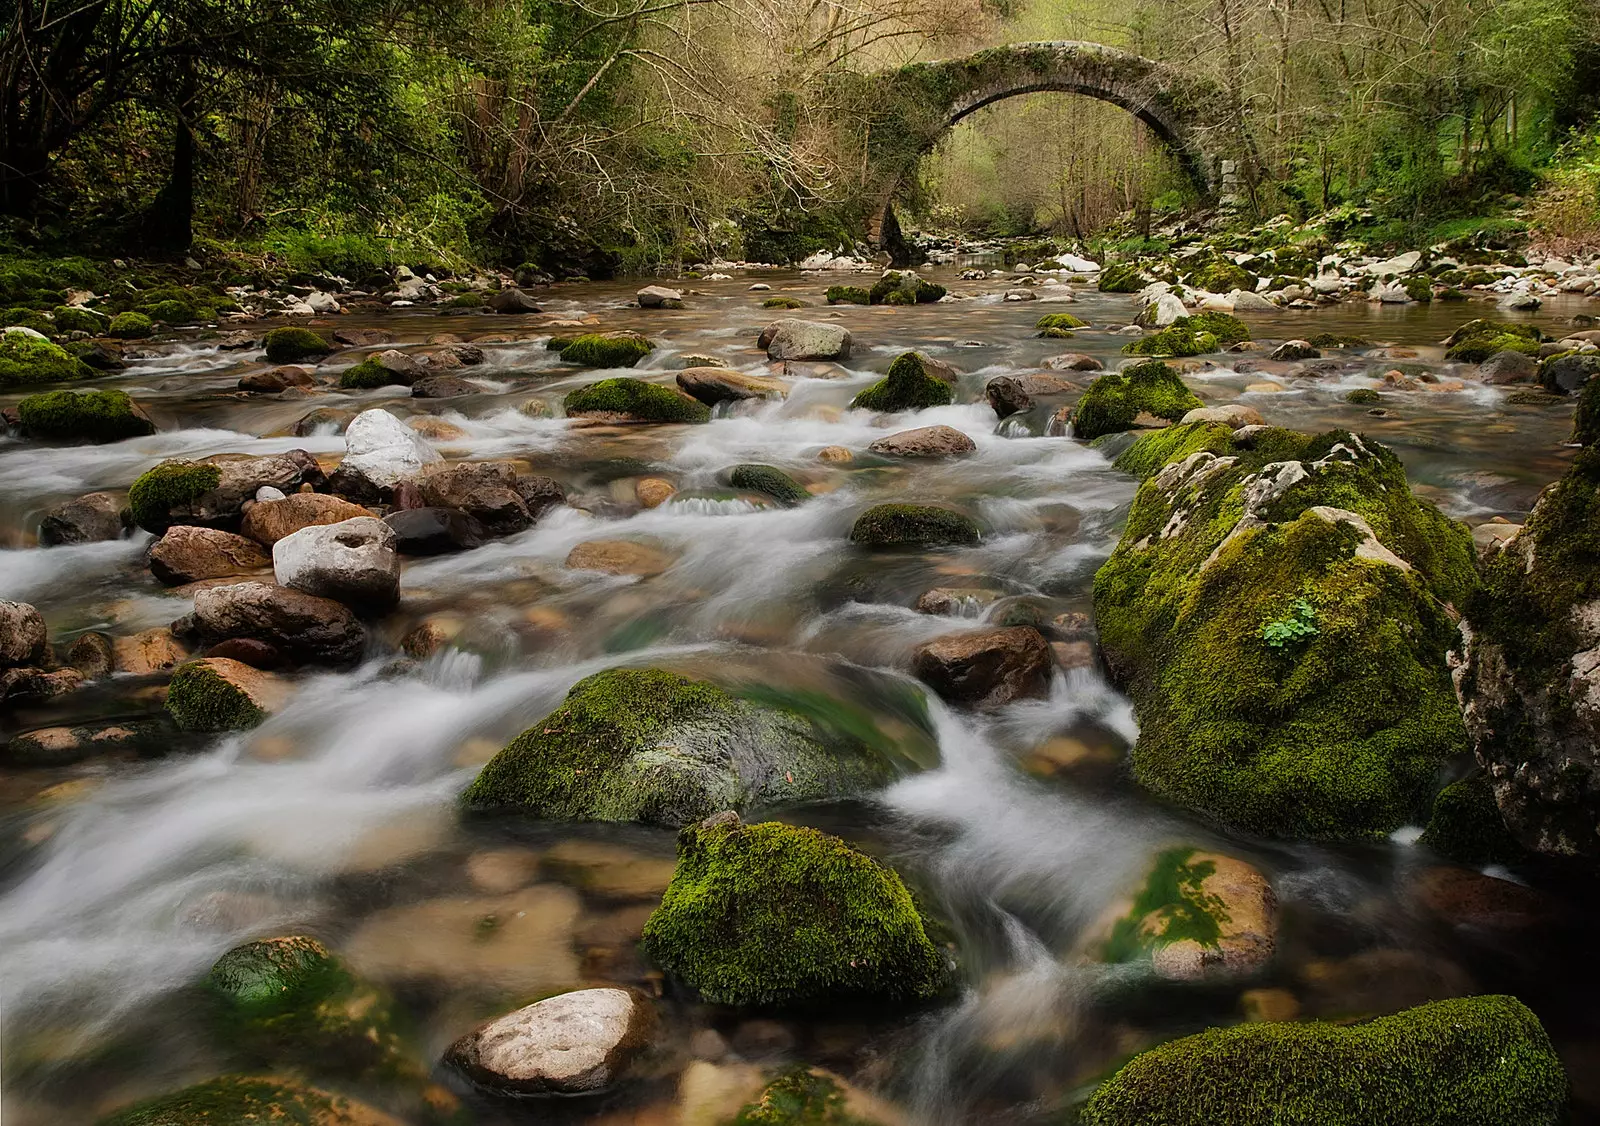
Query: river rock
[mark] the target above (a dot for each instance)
(435, 531)
(186, 554)
(1162, 311)
(925, 441)
(91, 654)
(619, 557)
(913, 525)
(220, 506)
(1007, 396)
(1232, 415)
(486, 489)
(512, 302)
(713, 385)
(268, 521)
(456, 356)
(217, 694)
(30, 684)
(391, 367)
(540, 493)
(151, 651)
(248, 651)
(794, 339)
(1073, 361)
(23, 638)
(1291, 350)
(250, 1099)
(63, 746)
(1565, 374)
(1246, 301)
(653, 492)
(443, 387)
(305, 628)
(659, 297)
(352, 562)
(92, 518)
(277, 379)
(570, 1044)
(330, 420)
(1509, 367)
(986, 669)
(380, 452)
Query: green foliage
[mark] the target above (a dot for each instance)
(799, 1097)
(1191, 336)
(26, 360)
(913, 525)
(172, 483)
(1296, 626)
(1447, 1063)
(98, 416)
(1466, 825)
(848, 295)
(71, 318)
(772, 914)
(601, 350)
(650, 402)
(1171, 907)
(200, 700)
(766, 479)
(1116, 399)
(909, 386)
(288, 345)
(130, 326)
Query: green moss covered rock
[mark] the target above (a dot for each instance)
(26, 359)
(1221, 276)
(767, 479)
(1191, 336)
(171, 311)
(781, 302)
(652, 746)
(288, 344)
(1479, 339)
(24, 317)
(778, 915)
(290, 1001)
(154, 494)
(802, 1096)
(606, 350)
(1418, 289)
(1124, 277)
(902, 287)
(1362, 397)
(1058, 325)
(94, 416)
(637, 401)
(1279, 614)
(1586, 419)
(72, 318)
(366, 375)
(130, 326)
(914, 383)
(1479, 1060)
(913, 525)
(218, 694)
(1116, 399)
(848, 295)
(1466, 825)
(242, 1100)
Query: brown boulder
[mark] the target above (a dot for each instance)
(22, 635)
(268, 521)
(1073, 361)
(276, 379)
(925, 441)
(93, 518)
(486, 489)
(304, 628)
(986, 669)
(186, 554)
(619, 557)
(713, 385)
(154, 650)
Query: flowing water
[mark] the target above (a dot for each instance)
(125, 877)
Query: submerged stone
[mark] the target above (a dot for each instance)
(245, 1100)
(913, 525)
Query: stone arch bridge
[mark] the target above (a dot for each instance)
(910, 109)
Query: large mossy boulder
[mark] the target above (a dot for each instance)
(808, 1096)
(913, 525)
(652, 746)
(1058, 326)
(849, 295)
(1477, 340)
(243, 1100)
(1191, 336)
(777, 915)
(75, 318)
(1122, 277)
(290, 345)
(1218, 275)
(172, 484)
(1114, 401)
(1530, 689)
(130, 326)
(219, 694)
(606, 349)
(91, 416)
(1279, 609)
(1466, 825)
(26, 359)
(915, 382)
(290, 1001)
(903, 287)
(770, 481)
(1480, 1060)
(626, 399)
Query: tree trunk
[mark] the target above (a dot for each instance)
(172, 212)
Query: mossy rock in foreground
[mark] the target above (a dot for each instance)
(95, 416)
(26, 359)
(774, 914)
(154, 494)
(912, 384)
(242, 1100)
(1484, 1061)
(774, 482)
(198, 699)
(366, 375)
(652, 746)
(913, 525)
(287, 345)
(637, 400)
(1586, 419)
(605, 350)
(1278, 613)
(1466, 825)
(1058, 326)
(1191, 336)
(1117, 398)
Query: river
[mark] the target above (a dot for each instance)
(125, 878)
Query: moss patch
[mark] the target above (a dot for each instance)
(1124, 277)
(1115, 399)
(1586, 419)
(200, 700)
(369, 373)
(903, 288)
(649, 402)
(1479, 339)
(96, 416)
(131, 326)
(237, 1100)
(26, 360)
(71, 318)
(800, 1097)
(773, 482)
(172, 483)
(1221, 276)
(1191, 336)
(1058, 326)
(913, 525)
(1466, 825)
(1362, 396)
(774, 914)
(287, 345)
(601, 350)
(783, 303)
(1467, 1060)
(848, 295)
(909, 386)
(1180, 909)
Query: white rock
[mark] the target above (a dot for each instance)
(22, 331)
(352, 562)
(1390, 295)
(760, 287)
(656, 296)
(1520, 301)
(1400, 264)
(1161, 312)
(298, 309)
(567, 1044)
(1078, 265)
(794, 339)
(268, 492)
(323, 302)
(1246, 302)
(385, 450)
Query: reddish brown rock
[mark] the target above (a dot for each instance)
(986, 669)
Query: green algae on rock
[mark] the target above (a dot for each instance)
(636, 400)
(95, 416)
(130, 326)
(781, 302)
(848, 295)
(913, 525)
(1116, 399)
(652, 746)
(287, 345)
(1479, 339)
(26, 359)
(243, 1100)
(605, 350)
(913, 383)
(1482, 1060)
(366, 375)
(1333, 731)
(1221, 276)
(157, 491)
(1058, 326)
(1191, 336)
(903, 287)
(767, 479)
(1586, 419)
(73, 318)
(774, 914)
